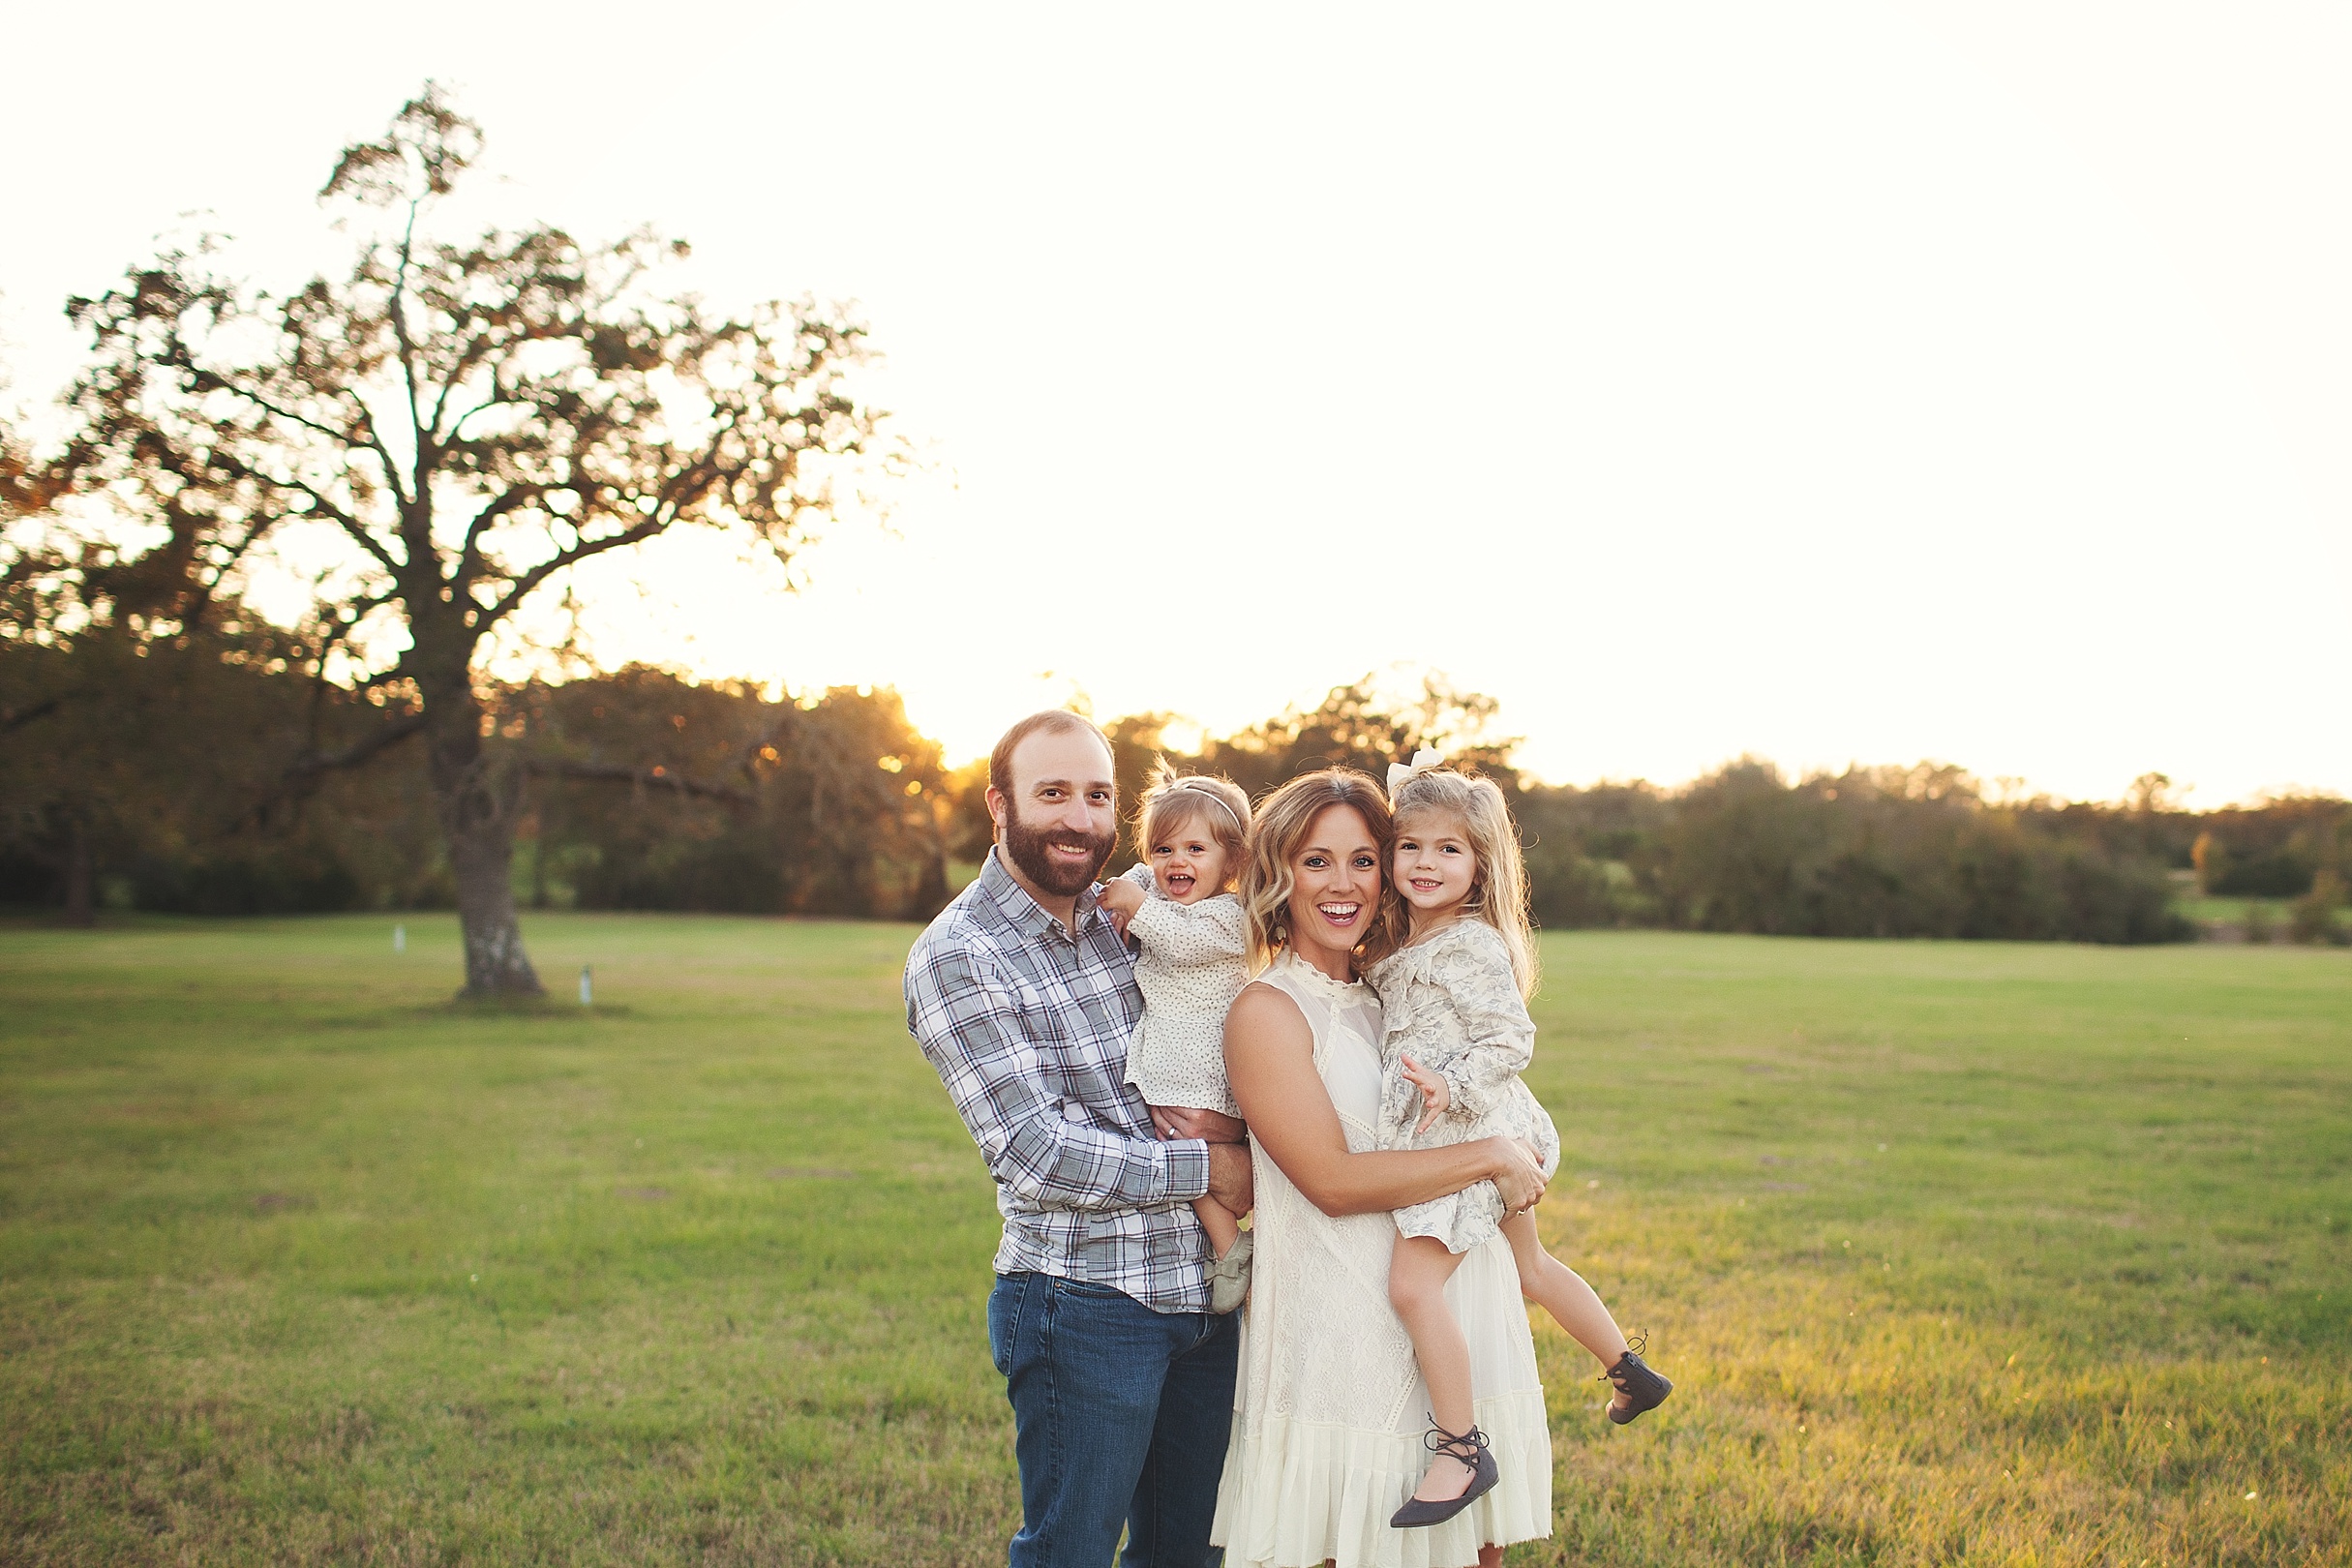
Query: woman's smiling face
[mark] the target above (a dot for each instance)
(1335, 882)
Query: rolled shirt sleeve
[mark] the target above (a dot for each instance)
(1026, 1020)
(967, 1018)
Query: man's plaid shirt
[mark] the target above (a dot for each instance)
(1028, 1028)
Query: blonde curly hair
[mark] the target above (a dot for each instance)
(1282, 823)
(1178, 801)
(1499, 888)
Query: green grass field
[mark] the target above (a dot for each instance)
(2232, 912)
(1960, 1254)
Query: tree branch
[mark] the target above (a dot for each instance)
(307, 768)
(310, 764)
(679, 492)
(475, 351)
(520, 586)
(470, 558)
(363, 438)
(364, 419)
(349, 524)
(345, 438)
(16, 718)
(623, 773)
(407, 346)
(339, 633)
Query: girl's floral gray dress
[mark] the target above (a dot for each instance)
(1453, 1005)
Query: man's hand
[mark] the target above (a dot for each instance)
(1211, 1127)
(1229, 1177)
(1519, 1175)
(1120, 899)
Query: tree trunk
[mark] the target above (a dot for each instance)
(81, 878)
(856, 869)
(478, 801)
(931, 891)
(539, 855)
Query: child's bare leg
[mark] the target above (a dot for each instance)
(1564, 1294)
(1416, 1288)
(1219, 1222)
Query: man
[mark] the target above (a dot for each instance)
(1022, 997)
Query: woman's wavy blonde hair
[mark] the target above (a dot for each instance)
(1499, 888)
(1282, 823)
(1175, 800)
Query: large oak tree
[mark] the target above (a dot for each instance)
(470, 419)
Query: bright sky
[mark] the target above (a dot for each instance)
(1826, 381)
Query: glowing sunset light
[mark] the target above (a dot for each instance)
(1832, 383)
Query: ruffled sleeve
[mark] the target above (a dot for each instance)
(1471, 969)
(1206, 932)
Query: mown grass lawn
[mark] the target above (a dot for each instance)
(1960, 1253)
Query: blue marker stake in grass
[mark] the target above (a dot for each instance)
(586, 996)
(400, 939)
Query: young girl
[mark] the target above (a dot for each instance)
(1192, 964)
(1454, 992)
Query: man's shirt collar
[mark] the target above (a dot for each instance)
(1023, 912)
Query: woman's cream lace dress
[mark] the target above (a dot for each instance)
(1329, 1409)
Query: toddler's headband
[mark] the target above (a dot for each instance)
(1200, 787)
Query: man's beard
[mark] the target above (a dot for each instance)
(1027, 846)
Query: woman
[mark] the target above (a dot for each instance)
(1328, 1410)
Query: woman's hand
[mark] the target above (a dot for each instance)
(1269, 1057)
(1519, 1175)
(1435, 1093)
(1120, 899)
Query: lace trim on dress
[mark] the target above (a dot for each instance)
(1337, 992)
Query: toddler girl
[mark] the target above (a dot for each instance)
(1178, 906)
(1453, 993)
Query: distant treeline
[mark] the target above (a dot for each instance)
(1885, 852)
(209, 780)
(179, 781)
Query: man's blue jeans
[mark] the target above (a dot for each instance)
(1121, 1416)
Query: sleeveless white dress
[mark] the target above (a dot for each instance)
(1329, 1409)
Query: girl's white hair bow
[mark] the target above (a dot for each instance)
(1423, 760)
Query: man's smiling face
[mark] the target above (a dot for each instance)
(1061, 821)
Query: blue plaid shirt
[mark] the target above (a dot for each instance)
(1027, 1027)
